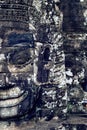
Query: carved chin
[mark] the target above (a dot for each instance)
(15, 103)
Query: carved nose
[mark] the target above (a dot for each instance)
(3, 64)
(4, 71)
(4, 80)
(3, 68)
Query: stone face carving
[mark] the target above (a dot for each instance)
(18, 92)
(43, 59)
(32, 60)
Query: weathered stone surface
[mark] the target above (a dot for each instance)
(32, 59)
(43, 64)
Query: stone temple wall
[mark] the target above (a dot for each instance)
(59, 51)
(75, 53)
(32, 49)
(46, 23)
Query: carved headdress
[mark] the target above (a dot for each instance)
(14, 14)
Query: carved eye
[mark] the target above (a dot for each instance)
(19, 58)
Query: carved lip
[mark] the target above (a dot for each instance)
(16, 110)
(13, 92)
(8, 112)
(13, 101)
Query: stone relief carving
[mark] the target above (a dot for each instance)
(43, 60)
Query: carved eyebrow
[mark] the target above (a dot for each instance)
(25, 39)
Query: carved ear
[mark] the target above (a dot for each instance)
(43, 53)
(43, 73)
(46, 53)
(37, 52)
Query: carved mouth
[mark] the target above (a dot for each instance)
(11, 93)
(11, 100)
(14, 107)
(16, 101)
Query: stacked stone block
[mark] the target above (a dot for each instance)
(75, 54)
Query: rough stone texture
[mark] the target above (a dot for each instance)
(32, 59)
(43, 64)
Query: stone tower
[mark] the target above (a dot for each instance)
(75, 38)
